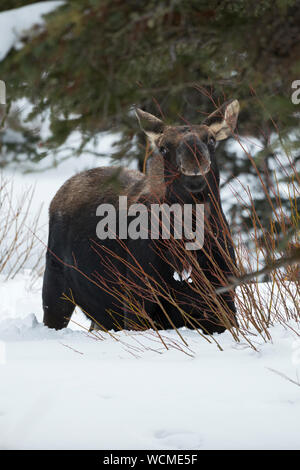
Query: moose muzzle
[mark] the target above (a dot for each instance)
(192, 156)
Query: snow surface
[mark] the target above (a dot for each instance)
(74, 390)
(14, 22)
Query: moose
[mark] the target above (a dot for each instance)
(182, 169)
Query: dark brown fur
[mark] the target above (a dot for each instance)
(182, 169)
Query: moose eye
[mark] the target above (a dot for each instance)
(163, 151)
(211, 141)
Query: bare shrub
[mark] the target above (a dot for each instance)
(19, 246)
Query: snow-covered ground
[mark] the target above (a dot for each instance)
(73, 390)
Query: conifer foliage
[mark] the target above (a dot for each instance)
(93, 60)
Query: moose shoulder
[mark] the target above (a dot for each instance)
(144, 281)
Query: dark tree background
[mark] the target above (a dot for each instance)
(94, 59)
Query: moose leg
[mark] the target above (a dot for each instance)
(220, 314)
(57, 311)
(202, 309)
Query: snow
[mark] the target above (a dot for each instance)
(124, 390)
(14, 22)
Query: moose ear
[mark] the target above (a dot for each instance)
(222, 122)
(151, 125)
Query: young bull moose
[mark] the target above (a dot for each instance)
(183, 170)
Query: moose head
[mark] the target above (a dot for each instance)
(188, 151)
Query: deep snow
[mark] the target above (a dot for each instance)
(69, 389)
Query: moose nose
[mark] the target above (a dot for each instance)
(193, 172)
(193, 157)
